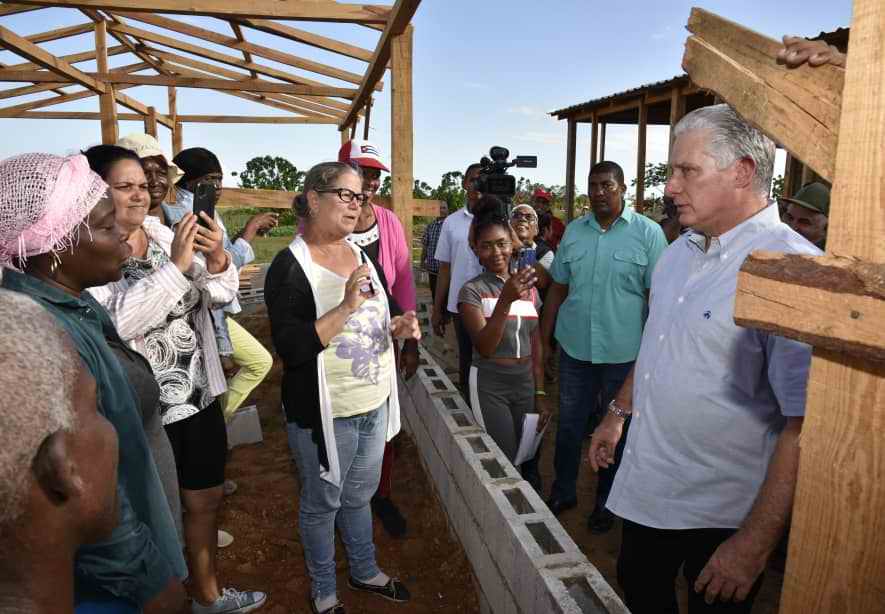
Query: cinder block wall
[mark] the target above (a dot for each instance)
(524, 560)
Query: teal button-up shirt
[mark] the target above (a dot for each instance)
(143, 553)
(608, 274)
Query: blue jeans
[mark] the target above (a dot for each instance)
(360, 441)
(580, 384)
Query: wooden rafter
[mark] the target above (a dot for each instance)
(308, 38)
(74, 58)
(232, 43)
(14, 9)
(122, 38)
(400, 16)
(184, 119)
(238, 32)
(30, 89)
(246, 85)
(204, 70)
(20, 46)
(58, 33)
(302, 10)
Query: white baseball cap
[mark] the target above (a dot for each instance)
(363, 153)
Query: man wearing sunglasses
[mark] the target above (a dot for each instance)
(381, 235)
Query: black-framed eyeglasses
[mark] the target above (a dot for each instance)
(345, 195)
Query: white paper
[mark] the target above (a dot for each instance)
(531, 439)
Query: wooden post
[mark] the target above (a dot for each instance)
(602, 142)
(366, 120)
(401, 169)
(570, 151)
(172, 96)
(107, 101)
(150, 122)
(594, 141)
(345, 134)
(640, 156)
(353, 130)
(837, 544)
(677, 112)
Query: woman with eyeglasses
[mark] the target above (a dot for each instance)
(333, 324)
(500, 312)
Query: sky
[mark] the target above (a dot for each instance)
(485, 73)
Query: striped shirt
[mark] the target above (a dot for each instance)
(483, 292)
(137, 308)
(428, 245)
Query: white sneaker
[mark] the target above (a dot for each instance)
(225, 539)
(232, 601)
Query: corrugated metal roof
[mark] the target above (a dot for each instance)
(590, 104)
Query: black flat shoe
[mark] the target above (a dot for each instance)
(394, 590)
(558, 506)
(338, 608)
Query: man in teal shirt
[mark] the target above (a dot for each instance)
(598, 301)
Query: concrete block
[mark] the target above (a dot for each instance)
(587, 589)
(244, 428)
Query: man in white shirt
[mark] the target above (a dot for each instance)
(457, 264)
(709, 467)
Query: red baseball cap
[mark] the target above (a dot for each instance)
(539, 193)
(363, 153)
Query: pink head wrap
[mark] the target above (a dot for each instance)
(43, 199)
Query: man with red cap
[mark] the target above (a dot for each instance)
(380, 234)
(541, 202)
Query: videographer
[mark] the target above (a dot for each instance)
(457, 264)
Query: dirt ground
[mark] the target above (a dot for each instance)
(262, 516)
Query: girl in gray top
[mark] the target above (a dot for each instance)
(500, 313)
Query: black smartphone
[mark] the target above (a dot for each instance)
(204, 201)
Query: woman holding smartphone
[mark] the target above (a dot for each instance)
(500, 312)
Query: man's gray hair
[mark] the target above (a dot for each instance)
(732, 139)
(38, 371)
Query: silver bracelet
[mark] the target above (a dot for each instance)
(620, 412)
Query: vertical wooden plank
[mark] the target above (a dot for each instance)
(367, 119)
(594, 141)
(172, 97)
(640, 155)
(570, 152)
(107, 101)
(345, 134)
(177, 139)
(602, 142)
(677, 112)
(401, 169)
(837, 544)
(150, 122)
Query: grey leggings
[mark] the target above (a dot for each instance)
(505, 393)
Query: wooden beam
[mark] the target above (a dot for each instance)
(196, 50)
(88, 115)
(150, 122)
(244, 46)
(172, 101)
(74, 58)
(830, 302)
(798, 108)
(400, 16)
(238, 33)
(124, 40)
(571, 148)
(366, 119)
(602, 141)
(302, 10)
(20, 46)
(308, 38)
(836, 560)
(107, 101)
(8, 8)
(594, 141)
(51, 35)
(640, 156)
(252, 119)
(677, 112)
(401, 129)
(30, 89)
(237, 198)
(244, 85)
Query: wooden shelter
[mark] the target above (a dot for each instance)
(662, 103)
(173, 54)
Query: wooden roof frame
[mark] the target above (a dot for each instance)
(175, 54)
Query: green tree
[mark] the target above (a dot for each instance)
(450, 190)
(656, 175)
(271, 173)
(777, 187)
(386, 187)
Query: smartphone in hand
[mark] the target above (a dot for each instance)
(204, 201)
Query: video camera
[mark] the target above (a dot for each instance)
(493, 178)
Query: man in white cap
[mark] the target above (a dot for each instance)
(381, 235)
